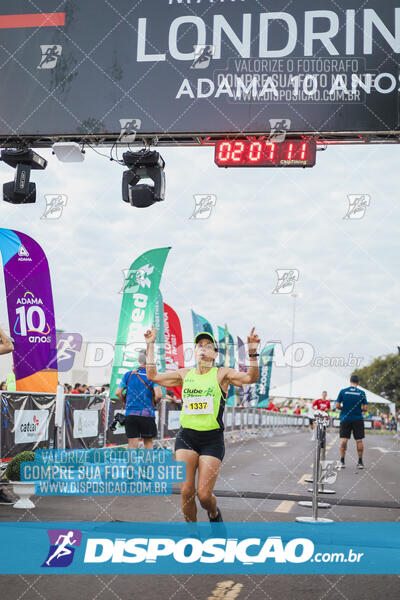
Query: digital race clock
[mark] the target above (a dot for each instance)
(263, 153)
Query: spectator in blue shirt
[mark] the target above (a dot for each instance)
(140, 419)
(353, 403)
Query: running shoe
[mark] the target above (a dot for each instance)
(217, 519)
(5, 499)
(360, 463)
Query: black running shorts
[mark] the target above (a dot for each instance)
(357, 427)
(140, 427)
(205, 443)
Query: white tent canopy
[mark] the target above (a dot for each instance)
(311, 387)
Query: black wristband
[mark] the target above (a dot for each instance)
(253, 355)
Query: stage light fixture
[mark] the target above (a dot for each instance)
(145, 164)
(21, 190)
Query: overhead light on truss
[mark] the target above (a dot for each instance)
(145, 164)
(68, 152)
(21, 190)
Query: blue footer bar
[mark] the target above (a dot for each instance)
(229, 548)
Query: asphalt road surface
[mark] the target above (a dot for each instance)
(273, 468)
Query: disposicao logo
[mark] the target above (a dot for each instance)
(191, 550)
(62, 547)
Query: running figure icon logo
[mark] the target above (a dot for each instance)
(136, 279)
(204, 204)
(357, 206)
(279, 128)
(55, 204)
(202, 56)
(329, 471)
(286, 281)
(63, 543)
(68, 344)
(50, 56)
(129, 128)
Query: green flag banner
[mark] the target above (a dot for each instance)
(231, 348)
(223, 359)
(137, 311)
(261, 394)
(227, 357)
(200, 324)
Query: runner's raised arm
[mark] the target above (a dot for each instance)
(170, 379)
(238, 378)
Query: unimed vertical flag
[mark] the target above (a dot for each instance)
(174, 355)
(262, 386)
(160, 341)
(141, 287)
(30, 312)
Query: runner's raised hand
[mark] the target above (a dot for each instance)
(252, 342)
(150, 335)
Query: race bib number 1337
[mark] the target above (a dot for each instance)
(199, 405)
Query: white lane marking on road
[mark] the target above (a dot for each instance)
(285, 506)
(226, 589)
(277, 444)
(332, 443)
(303, 477)
(385, 450)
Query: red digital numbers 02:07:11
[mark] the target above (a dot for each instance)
(262, 153)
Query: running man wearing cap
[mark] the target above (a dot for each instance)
(200, 440)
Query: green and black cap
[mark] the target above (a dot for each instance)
(208, 336)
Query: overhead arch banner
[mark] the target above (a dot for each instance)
(197, 67)
(30, 312)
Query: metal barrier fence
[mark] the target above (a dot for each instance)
(240, 422)
(27, 422)
(84, 423)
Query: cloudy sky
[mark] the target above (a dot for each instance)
(225, 267)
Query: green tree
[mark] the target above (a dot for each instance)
(382, 377)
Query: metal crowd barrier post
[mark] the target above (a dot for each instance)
(162, 414)
(322, 489)
(321, 421)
